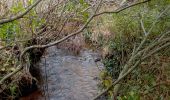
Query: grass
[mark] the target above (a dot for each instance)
(115, 35)
(126, 31)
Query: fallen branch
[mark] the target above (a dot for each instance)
(117, 81)
(137, 51)
(130, 70)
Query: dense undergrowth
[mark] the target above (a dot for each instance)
(151, 79)
(115, 35)
(14, 37)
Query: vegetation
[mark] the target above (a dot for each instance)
(146, 81)
(134, 39)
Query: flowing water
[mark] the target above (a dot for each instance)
(67, 76)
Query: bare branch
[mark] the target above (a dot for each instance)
(48, 45)
(131, 69)
(148, 33)
(10, 74)
(143, 27)
(3, 21)
(122, 8)
(138, 53)
(117, 81)
(156, 50)
(68, 36)
(3, 47)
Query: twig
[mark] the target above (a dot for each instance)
(137, 53)
(156, 50)
(4, 47)
(148, 33)
(122, 8)
(160, 15)
(66, 37)
(143, 28)
(155, 44)
(10, 74)
(130, 70)
(156, 85)
(48, 45)
(117, 81)
(3, 21)
(163, 35)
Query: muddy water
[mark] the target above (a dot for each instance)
(67, 76)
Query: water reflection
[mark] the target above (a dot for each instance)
(67, 76)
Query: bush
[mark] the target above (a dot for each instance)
(127, 27)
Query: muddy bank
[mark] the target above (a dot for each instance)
(66, 76)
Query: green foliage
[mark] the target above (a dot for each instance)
(87, 35)
(112, 66)
(12, 30)
(79, 6)
(130, 96)
(84, 6)
(15, 31)
(17, 8)
(128, 22)
(13, 90)
(9, 30)
(127, 27)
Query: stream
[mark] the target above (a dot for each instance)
(67, 76)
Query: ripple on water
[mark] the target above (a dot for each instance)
(69, 77)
